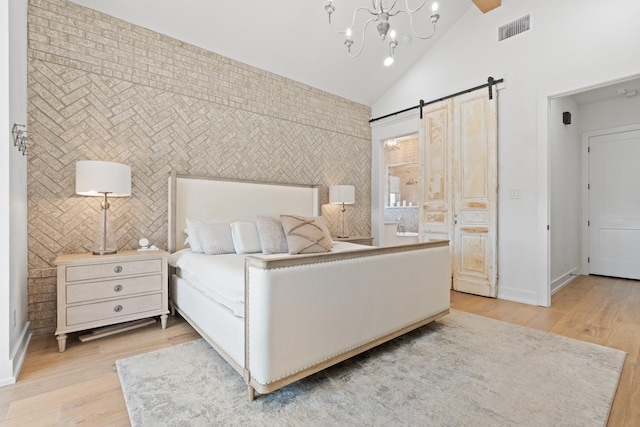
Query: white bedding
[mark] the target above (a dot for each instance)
(221, 277)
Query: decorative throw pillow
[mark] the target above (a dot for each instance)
(245, 237)
(272, 237)
(305, 235)
(325, 229)
(211, 238)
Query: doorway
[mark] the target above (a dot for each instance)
(592, 112)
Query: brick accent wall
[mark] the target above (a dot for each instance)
(102, 89)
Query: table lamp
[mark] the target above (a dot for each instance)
(102, 179)
(342, 195)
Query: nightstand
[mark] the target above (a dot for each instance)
(361, 240)
(102, 290)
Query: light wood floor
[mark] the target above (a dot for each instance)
(81, 385)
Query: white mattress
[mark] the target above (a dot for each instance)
(221, 277)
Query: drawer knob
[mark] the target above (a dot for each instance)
(117, 269)
(117, 288)
(117, 308)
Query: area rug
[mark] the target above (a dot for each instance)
(462, 370)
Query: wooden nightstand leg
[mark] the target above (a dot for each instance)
(62, 342)
(163, 321)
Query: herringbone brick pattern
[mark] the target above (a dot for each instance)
(81, 108)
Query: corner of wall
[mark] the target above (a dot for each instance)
(9, 369)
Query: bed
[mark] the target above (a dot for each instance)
(277, 318)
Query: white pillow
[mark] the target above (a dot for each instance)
(272, 237)
(192, 236)
(211, 238)
(246, 239)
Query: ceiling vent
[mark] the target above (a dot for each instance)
(514, 28)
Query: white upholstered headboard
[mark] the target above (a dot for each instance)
(207, 198)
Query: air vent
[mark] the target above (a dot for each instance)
(514, 28)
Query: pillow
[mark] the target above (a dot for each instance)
(305, 235)
(325, 229)
(245, 237)
(211, 238)
(192, 236)
(272, 237)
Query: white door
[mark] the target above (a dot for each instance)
(475, 194)
(614, 204)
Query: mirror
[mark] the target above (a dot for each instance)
(402, 185)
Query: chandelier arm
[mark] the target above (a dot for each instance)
(413, 30)
(392, 6)
(364, 28)
(406, 5)
(353, 20)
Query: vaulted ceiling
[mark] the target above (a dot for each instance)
(293, 38)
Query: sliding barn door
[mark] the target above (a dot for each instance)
(475, 182)
(458, 189)
(436, 143)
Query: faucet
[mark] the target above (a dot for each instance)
(400, 226)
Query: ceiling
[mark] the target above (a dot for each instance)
(291, 38)
(620, 89)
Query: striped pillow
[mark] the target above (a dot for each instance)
(211, 238)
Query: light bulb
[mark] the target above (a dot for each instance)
(348, 32)
(388, 61)
(392, 34)
(434, 7)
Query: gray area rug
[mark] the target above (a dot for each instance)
(462, 370)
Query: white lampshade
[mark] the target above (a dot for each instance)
(339, 194)
(94, 178)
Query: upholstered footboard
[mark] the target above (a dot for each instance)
(306, 313)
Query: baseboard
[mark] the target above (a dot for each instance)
(564, 280)
(9, 369)
(517, 295)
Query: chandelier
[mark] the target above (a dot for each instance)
(380, 12)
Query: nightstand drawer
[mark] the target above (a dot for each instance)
(113, 288)
(112, 269)
(112, 310)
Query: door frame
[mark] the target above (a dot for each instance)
(399, 126)
(584, 250)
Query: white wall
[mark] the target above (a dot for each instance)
(14, 324)
(5, 144)
(565, 192)
(572, 44)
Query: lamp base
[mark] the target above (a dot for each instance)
(344, 228)
(105, 243)
(105, 252)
